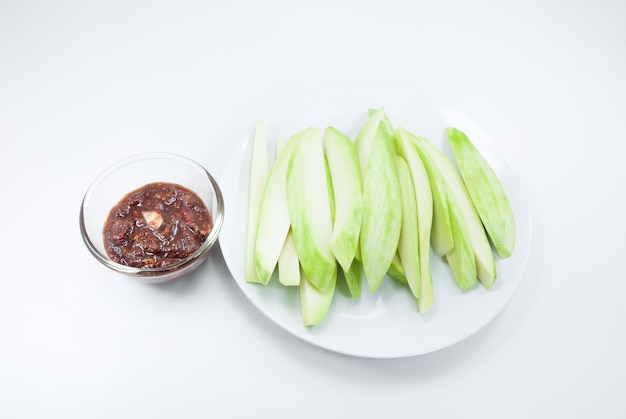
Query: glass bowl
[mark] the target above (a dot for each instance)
(132, 173)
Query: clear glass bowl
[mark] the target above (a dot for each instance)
(132, 173)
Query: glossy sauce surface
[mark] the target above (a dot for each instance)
(156, 225)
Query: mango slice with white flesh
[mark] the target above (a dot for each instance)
(461, 257)
(383, 117)
(314, 302)
(441, 230)
(365, 137)
(486, 191)
(288, 263)
(259, 168)
(309, 208)
(408, 245)
(484, 257)
(382, 216)
(273, 223)
(441, 236)
(353, 276)
(345, 178)
(424, 206)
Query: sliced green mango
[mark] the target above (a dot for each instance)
(461, 257)
(288, 263)
(382, 211)
(441, 231)
(485, 262)
(347, 193)
(425, 208)
(259, 168)
(273, 222)
(408, 245)
(314, 303)
(486, 191)
(309, 208)
(365, 137)
(441, 236)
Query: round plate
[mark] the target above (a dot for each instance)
(385, 323)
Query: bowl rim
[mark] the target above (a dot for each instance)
(198, 255)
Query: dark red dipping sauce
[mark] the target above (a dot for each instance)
(156, 225)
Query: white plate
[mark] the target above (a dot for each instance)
(384, 324)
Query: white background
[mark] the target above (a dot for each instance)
(83, 84)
